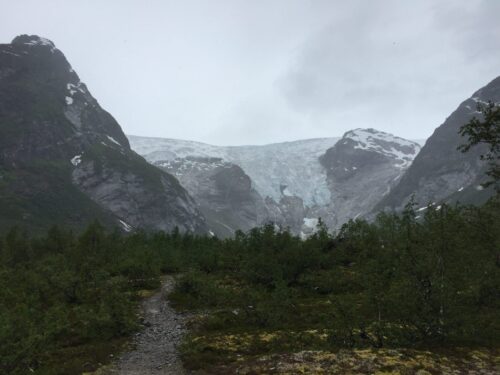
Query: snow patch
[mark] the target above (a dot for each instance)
(477, 100)
(69, 100)
(75, 160)
(125, 226)
(462, 188)
(113, 140)
(311, 222)
(479, 187)
(401, 150)
(11, 53)
(41, 42)
(73, 89)
(287, 193)
(181, 166)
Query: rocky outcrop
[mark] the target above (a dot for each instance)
(441, 173)
(222, 190)
(65, 160)
(361, 169)
(288, 212)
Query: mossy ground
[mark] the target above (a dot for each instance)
(371, 361)
(278, 353)
(223, 341)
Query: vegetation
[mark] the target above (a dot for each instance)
(399, 282)
(64, 299)
(427, 278)
(403, 281)
(485, 130)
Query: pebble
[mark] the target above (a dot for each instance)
(155, 350)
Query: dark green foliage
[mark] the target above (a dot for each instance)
(411, 280)
(415, 279)
(62, 291)
(485, 130)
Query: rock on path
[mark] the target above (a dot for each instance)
(155, 350)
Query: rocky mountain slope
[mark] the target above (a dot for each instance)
(442, 173)
(223, 191)
(239, 187)
(361, 169)
(291, 184)
(65, 160)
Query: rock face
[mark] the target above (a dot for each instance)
(289, 212)
(63, 159)
(361, 169)
(291, 184)
(223, 191)
(442, 173)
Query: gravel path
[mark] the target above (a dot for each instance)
(154, 350)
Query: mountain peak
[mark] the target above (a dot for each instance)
(33, 40)
(403, 150)
(68, 157)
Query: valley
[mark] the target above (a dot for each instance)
(365, 253)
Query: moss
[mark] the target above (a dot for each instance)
(145, 293)
(249, 353)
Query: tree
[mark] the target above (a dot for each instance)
(485, 131)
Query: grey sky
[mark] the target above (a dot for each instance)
(241, 72)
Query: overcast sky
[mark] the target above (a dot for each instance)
(233, 72)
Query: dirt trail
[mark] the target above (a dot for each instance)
(154, 350)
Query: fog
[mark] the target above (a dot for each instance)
(256, 72)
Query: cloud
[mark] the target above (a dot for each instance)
(400, 66)
(237, 72)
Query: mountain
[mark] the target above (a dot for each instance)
(291, 184)
(270, 167)
(361, 169)
(223, 191)
(441, 173)
(65, 160)
(272, 183)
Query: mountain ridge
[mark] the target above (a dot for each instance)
(442, 173)
(253, 160)
(66, 160)
(293, 180)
